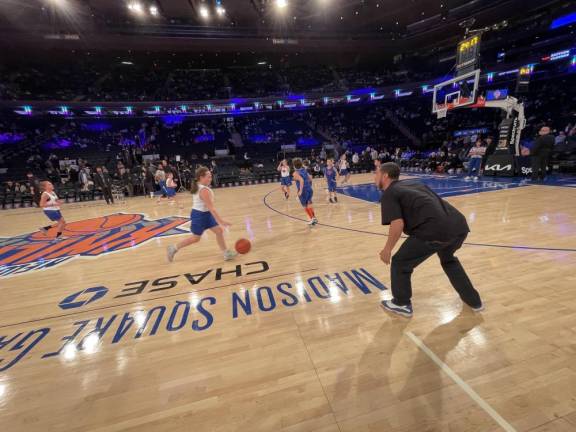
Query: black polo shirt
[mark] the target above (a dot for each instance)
(426, 216)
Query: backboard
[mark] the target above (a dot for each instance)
(456, 92)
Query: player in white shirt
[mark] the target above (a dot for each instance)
(203, 216)
(285, 178)
(343, 169)
(50, 203)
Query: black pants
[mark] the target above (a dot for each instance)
(539, 166)
(413, 252)
(107, 193)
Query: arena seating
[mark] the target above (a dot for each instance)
(253, 142)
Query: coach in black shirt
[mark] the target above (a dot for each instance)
(432, 225)
(541, 151)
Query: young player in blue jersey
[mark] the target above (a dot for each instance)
(285, 178)
(204, 216)
(304, 188)
(330, 174)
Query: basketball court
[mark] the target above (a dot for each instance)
(100, 333)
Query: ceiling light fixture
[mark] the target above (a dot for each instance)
(204, 13)
(136, 7)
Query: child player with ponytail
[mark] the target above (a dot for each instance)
(204, 216)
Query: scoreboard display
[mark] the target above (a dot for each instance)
(468, 55)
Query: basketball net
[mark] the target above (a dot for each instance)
(442, 109)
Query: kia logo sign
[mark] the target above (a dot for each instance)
(498, 167)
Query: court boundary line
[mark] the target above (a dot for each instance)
(537, 248)
(461, 383)
(152, 299)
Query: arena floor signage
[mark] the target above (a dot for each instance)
(85, 238)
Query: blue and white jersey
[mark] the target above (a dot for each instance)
(198, 203)
(52, 202)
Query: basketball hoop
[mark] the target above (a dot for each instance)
(441, 112)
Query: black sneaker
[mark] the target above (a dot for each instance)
(390, 306)
(332, 201)
(335, 199)
(477, 308)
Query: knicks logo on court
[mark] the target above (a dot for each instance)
(85, 238)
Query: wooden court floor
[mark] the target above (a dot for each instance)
(99, 333)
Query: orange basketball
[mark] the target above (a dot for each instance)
(243, 246)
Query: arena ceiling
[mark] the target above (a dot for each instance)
(384, 26)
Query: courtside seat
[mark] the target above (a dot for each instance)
(228, 175)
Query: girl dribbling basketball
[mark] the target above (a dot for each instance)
(203, 216)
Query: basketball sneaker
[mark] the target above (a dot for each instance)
(478, 308)
(171, 252)
(230, 255)
(312, 222)
(390, 306)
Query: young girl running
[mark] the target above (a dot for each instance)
(285, 179)
(343, 168)
(50, 203)
(305, 192)
(330, 174)
(204, 216)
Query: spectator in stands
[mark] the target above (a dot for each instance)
(168, 168)
(125, 177)
(35, 189)
(543, 146)
(84, 179)
(560, 139)
(103, 182)
(148, 174)
(73, 175)
(490, 145)
(476, 154)
(160, 177)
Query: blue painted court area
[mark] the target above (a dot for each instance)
(454, 185)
